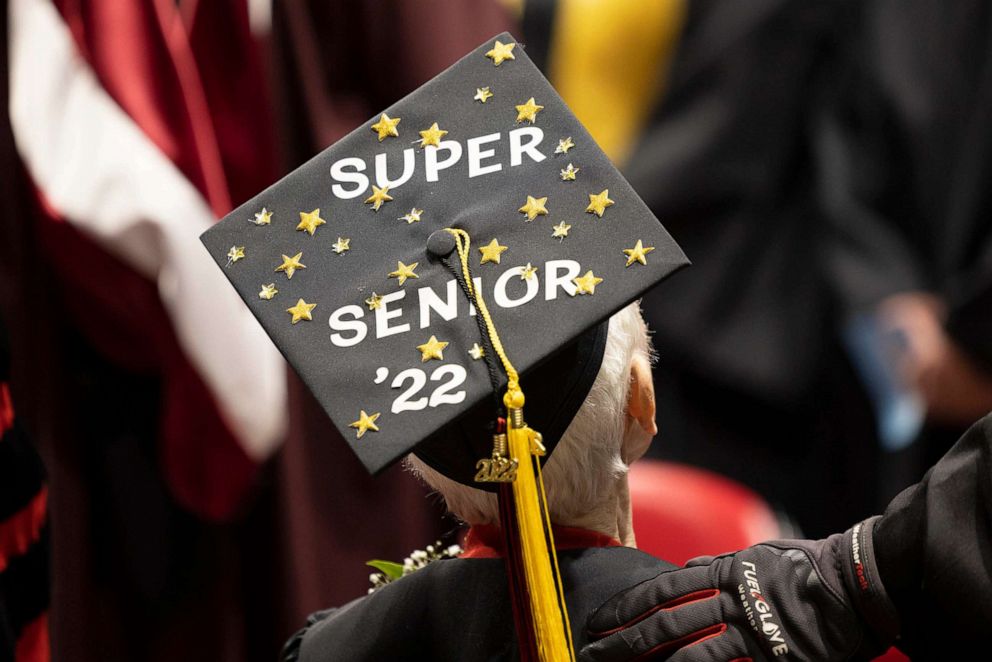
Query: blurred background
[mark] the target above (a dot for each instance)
(823, 163)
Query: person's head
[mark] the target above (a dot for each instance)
(611, 429)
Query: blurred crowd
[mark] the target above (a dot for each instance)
(823, 163)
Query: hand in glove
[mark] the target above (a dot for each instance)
(781, 600)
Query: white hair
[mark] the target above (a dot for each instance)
(581, 473)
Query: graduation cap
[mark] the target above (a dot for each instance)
(469, 240)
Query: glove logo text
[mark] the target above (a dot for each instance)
(760, 615)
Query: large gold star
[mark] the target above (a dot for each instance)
(374, 302)
(482, 94)
(268, 292)
(341, 245)
(379, 197)
(491, 252)
(586, 284)
(310, 221)
(386, 126)
(291, 264)
(528, 111)
(301, 311)
(500, 52)
(263, 217)
(564, 145)
(528, 272)
(404, 271)
(236, 253)
(432, 136)
(365, 423)
(412, 216)
(560, 231)
(432, 349)
(638, 253)
(568, 174)
(598, 203)
(476, 352)
(534, 207)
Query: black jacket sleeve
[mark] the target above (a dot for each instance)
(934, 552)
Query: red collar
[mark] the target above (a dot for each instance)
(485, 541)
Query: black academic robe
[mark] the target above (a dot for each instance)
(459, 609)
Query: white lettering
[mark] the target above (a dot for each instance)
(432, 166)
(475, 156)
(339, 174)
(338, 324)
(381, 170)
(430, 301)
(499, 293)
(383, 315)
(518, 148)
(552, 279)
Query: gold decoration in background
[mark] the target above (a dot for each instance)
(374, 302)
(310, 221)
(560, 231)
(528, 272)
(236, 253)
(564, 145)
(586, 284)
(491, 252)
(568, 174)
(268, 292)
(291, 264)
(404, 271)
(432, 349)
(365, 423)
(501, 52)
(301, 311)
(483, 94)
(386, 126)
(476, 352)
(534, 207)
(341, 245)
(412, 216)
(598, 202)
(432, 136)
(638, 253)
(379, 197)
(528, 111)
(263, 217)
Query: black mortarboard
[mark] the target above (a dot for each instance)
(347, 264)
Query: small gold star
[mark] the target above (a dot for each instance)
(526, 273)
(404, 271)
(413, 216)
(637, 253)
(386, 126)
(310, 221)
(378, 197)
(599, 202)
(301, 311)
(568, 174)
(432, 136)
(560, 231)
(500, 52)
(491, 252)
(236, 253)
(476, 352)
(534, 207)
(432, 349)
(374, 302)
(365, 423)
(263, 217)
(586, 284)
(564, 145)
(268, 292)
(341, 245)
(528, 111)
(482, 94)
(291, 264)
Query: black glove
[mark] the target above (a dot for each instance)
(781, 600)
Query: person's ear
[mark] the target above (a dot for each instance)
(641, 426)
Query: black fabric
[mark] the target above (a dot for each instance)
(782, 600)
(460, 610)
(934, 551)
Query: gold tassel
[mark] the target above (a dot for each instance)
(543, 579)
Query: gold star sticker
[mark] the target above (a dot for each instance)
(386, 126)
(560, 231)
(528, 111)
(482, 94)
(476, 352)
(374, 302)
(413, 216)
(268, 292)
(236, 253)
(432, 136)
(564, 145)
(291, 264)
(637, 253)
(301, 311)
(599, 202)
(310, 221)
(568, 174)
(263, 217)
(378, 197)
(365, 423)
(404, 271)
(586, 284)
(534, 207)
(432, 349)
(526, 273)
(491, 252)
(500, 52)
(341, 245)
